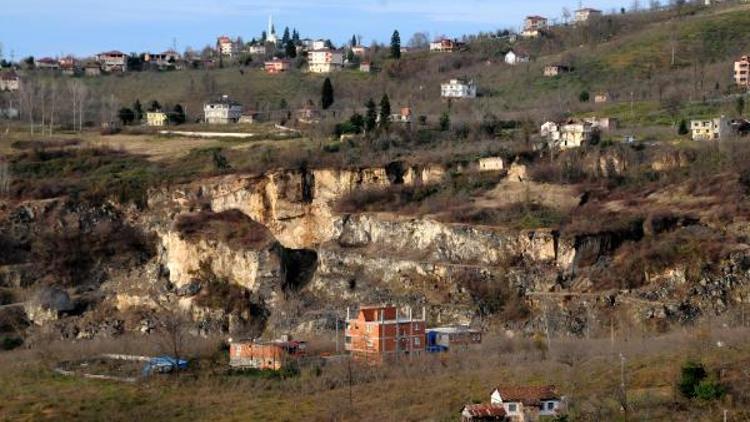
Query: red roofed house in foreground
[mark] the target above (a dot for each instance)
(527, 403)
(482, 412)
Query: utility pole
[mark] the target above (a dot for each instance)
(337, 335)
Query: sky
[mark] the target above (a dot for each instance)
(85, 27)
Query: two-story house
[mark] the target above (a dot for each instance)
(458, 88)
(383, 332)
(273, 355)
(527, 403)
(325, 60)
(226, 46)
(46, 63)
(276, 66)
(552, 70)
(533, 26)
(9, 81)
(586, 14)
(113, 61)
(445, 45)
(742, 72)
(222, 111)
(710, 129)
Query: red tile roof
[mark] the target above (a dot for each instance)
(484, 410)
(528, 395)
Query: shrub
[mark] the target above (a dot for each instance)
(10, 343)
(709, 389)
(691, 375)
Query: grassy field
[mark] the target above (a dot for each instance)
(432, 388)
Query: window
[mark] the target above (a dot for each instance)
(512, 407)
(417, 341)
(551, 405)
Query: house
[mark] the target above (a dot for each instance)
(482, 412)
(552, 70)
(68, 65)
(514, 57)
(9, 81)
(403, 116)
(533, 26)
(602, 123)
(570, 134)
(276, 66)
(365, 67)
(710, 129)
(359, 50)
(383, 331)
(458, 88)
(257, 49)
(445, 45)
(586, 14)
(156, 118)
(601, 98)
(248, 117)
(113, 61)
(225, 46)
(46, 63)
(440, 339)
(527, 403)
(325, 60)
(222, 111)
(273, 355)
(491, 164)
(162, 60)
(318, 44)
(92, 69)
(742, 72)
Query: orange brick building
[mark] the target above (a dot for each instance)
(383, 332)
(277, 66)
(264, 355)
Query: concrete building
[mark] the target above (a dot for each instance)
(257, 49)
(92, 69)
(163, 60)
(586, 14)
(458, 88)
(482, 412)
(742, 72)
(46, 63)
(325, 60)
(533, 26)
(273, 355)
(223, 111)
(516, 57)
(445, 45)
(156, 118)
(365, 67)
(9, 81)
(68, 66)
(225, 46)
(527, 403)
(552, 70)
(383, 332)
(441, 339)
(113, 61)
(360, 50)
(601, 98)
(277, 66)
(710, 129)
(570, 134)
(491, 164)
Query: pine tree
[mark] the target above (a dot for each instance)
(155, 106)
(178, 116)
(354, 40)
(396, 45)
(285, 38)
(263, 37)
(138, 110)
(290, 49)
(326, 99)
(385, 110)
(295, 36)
(371, 116)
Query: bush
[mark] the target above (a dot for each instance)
(709, 389)
(10, 343)
(692, 374)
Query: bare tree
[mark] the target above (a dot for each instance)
(173, 330)
(5, 177)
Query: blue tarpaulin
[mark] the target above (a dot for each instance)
(164, 364)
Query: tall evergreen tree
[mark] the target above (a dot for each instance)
(178, 116)
(385, 110)
(295, 36)
(326, 99)
(371, 116)
(396, 45)
(354, 40)
(290, 49)
(286, 37)
(138, 110)
(155, 106)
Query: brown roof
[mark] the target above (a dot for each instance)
(528, 395)
(484, 410)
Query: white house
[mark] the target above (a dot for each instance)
(586, 14)
(113, 61)
(527, 403)
(225, 46)
(711, 129)
(513, 58)
(325, 60)
(445, 45)
(257, 49)
(9, 81)
(222, 111)
(570, 134)
(458, 88)
(533, 26)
